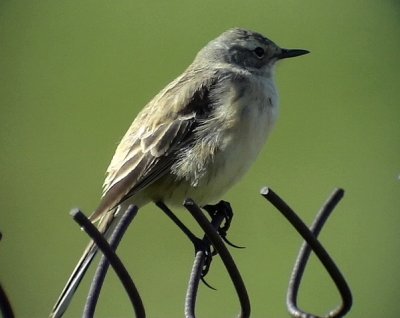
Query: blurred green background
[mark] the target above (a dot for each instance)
(73, 75)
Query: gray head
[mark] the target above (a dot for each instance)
(246, 49)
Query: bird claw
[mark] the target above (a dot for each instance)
(205, 247)
(225, 208)
(230, 243)
(207, 284)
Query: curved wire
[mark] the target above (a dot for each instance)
(5, 306)
(310, 236)
(102, 267)
(226, 257)
(114, 260)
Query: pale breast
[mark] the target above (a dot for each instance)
(258, 115)
(228, 147)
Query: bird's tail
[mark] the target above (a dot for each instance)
(106, 225)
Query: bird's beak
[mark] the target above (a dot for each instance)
(286, 53)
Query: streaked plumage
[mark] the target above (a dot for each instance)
(197, 137)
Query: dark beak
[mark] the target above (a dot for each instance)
(286, 53)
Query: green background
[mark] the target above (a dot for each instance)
(73, 74)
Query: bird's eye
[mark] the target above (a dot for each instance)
(259, 52)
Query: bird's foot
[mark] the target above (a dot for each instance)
(224, 208)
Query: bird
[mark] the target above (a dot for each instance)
(196, 138)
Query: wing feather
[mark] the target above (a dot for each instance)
(149, 148)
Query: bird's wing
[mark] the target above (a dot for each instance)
(148, 149)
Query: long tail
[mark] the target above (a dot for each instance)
(106, 226)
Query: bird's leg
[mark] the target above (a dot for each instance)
(199, 244)
(225, 208)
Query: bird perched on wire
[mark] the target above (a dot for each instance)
(195, 138)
